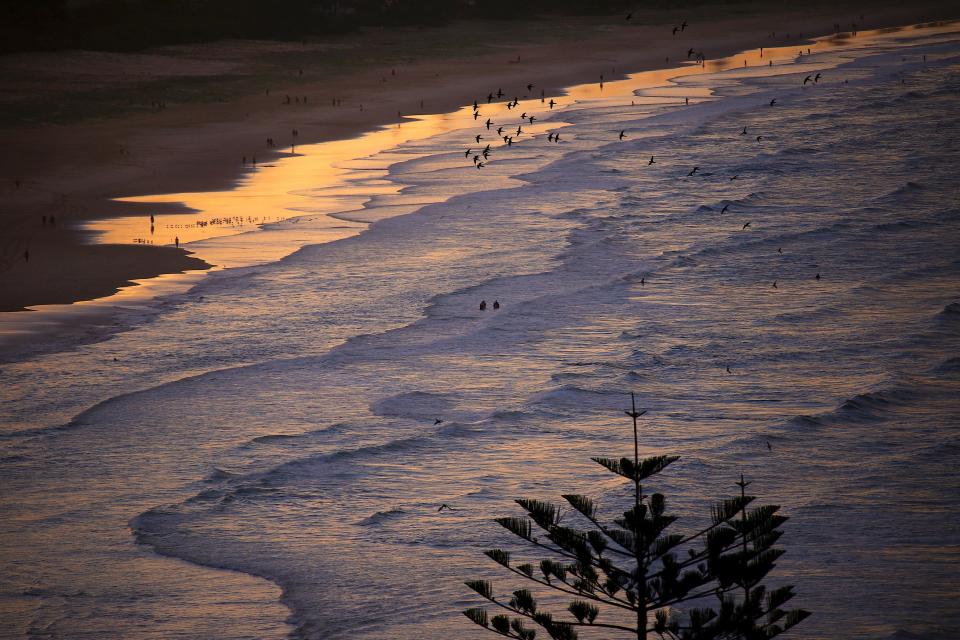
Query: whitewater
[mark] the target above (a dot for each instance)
(261, 452)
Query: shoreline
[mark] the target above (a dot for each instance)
(197, 147)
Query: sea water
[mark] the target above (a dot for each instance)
(264, 454)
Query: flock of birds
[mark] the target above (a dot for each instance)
(506, 133)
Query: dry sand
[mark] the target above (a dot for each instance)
(85, 126)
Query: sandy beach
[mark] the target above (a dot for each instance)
(84, 127)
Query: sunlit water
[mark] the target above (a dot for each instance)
(277, 421)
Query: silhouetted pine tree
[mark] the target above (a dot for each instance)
(703, 585)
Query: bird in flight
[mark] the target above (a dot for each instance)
(692, 171)
(629, 16)
(773, 102)
(725, 207)
(651, 161)
(622, 134)
(744, 132)
(759, 138)
(775, 285)
(816, 78)
(807, 79)
(745, 226)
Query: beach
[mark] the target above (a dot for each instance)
(759, 251)
(87, 127)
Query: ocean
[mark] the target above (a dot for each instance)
(261, 452)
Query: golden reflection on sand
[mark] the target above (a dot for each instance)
(337, 177)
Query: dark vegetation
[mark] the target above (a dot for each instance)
(631, 577)
(126, 25)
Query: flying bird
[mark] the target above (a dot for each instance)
(816, 78)
(734, 177)
(683, 27)
(759, 138)
(622, 134)
(629, 16)
(675, 29)
(745, 226)
(725, 207)
(651, 161)
(479, 137)
(689, 52)
(744, 132)
(552, 103)
(807, 79)
(466, 154)
(692, 171)
(773, 102)
(775, 285)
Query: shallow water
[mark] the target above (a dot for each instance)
(277, 419)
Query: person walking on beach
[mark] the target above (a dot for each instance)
(176, 242)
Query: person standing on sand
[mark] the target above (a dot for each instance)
(176, 242)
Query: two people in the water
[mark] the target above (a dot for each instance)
(483, 305)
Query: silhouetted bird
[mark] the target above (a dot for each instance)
(445, 506)
(549, 137)
(818, 276)
(728, 369)
(466, 154)
(769, 447)
(745, 226)
(552, 103)
(759, 138)
(478, 138)
(734, 177)
(689, 52)
(622, 135)
(651, 161)
(773, 102)
(779, 249)
(530, 87)
(725, 207)
(438, 421)
(744, 132)
(807, 79)
(692, 171)
(816, 78)
(675, 29)
(629, 16)
(683, 27)
(775, 285)
(488, 123)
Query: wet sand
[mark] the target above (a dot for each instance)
(88, 127)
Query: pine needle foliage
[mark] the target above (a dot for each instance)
(629, 577)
